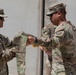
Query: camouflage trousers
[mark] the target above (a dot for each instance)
(59, 67)
(57, 63)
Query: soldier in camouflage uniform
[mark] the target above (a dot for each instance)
(7, 49)
(62, 43)
(47, 33)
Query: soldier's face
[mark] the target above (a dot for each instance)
(54, 18)
(1, 22)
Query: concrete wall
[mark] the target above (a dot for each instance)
(23, 15)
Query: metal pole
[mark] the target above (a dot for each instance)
(42, 23)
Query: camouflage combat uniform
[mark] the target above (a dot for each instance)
(47, 33)
(63, 50)
(7, 52)
(20, 41)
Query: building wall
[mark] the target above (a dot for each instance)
(23, 15)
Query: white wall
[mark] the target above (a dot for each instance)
(23, 15)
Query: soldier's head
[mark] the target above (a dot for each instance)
(57, 13)
(2, 16)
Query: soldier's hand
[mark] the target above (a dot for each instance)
(30, 40)
(48, 52)
(42, 48)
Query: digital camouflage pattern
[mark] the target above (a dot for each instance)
(7, 53)
(20, 40)
(55, 8)
(67, 48)
(47, 33)
(63, 50)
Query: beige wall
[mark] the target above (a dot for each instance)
(23, 15)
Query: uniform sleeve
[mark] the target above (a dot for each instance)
(46, 33)
(45, 36)
(8, 50)
(8, 54)
(55, 41)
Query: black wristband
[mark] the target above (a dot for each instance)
(36, 40)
